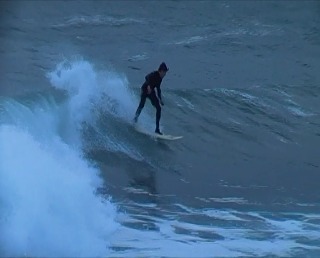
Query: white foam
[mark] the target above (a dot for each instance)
(229, 200)
(88, 87)
(48, 201)
(250, 234)
(298, 111)
(49, 205)
(190, 40)
(139, 57)
(96, 20)
(189, 104)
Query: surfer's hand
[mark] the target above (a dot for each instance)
(161, 102)
(148, 89)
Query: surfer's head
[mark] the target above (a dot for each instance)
(163, 69)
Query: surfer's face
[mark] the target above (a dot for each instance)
(162, 74)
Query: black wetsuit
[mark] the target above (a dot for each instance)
(154, 80)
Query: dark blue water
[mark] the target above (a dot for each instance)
(243, 90)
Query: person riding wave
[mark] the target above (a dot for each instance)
(153, 81)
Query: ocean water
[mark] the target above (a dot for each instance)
(243, 89)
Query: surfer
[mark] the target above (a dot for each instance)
(153, 80)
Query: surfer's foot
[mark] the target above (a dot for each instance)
(157, 131)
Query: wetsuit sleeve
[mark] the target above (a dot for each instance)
(159, 91)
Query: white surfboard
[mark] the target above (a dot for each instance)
(158, 136)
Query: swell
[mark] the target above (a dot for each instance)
(246, 113)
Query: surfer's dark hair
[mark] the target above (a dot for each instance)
(163, 67)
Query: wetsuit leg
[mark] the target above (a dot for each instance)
(156, 104)
(141, 105)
